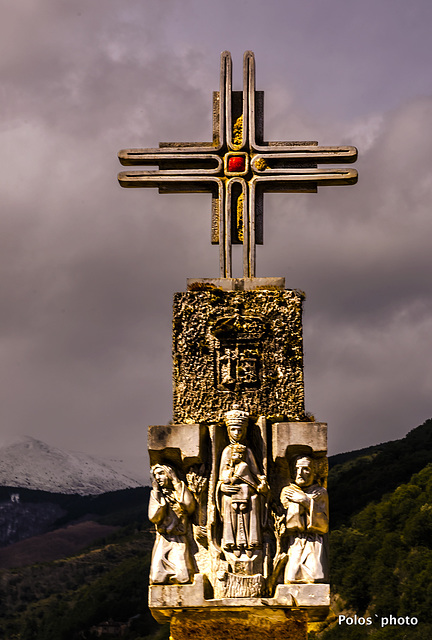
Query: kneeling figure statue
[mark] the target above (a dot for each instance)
(170, 504)
(306, 504)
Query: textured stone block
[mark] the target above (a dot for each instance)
(165, 598)
(176, 442)
(237, 346)
(304, 595)
(303, 436)
(243, 624)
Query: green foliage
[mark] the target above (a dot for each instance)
(61, 600)
(358, 478)
(382, 563)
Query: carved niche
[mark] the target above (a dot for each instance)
(237, 342)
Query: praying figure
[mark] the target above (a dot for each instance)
(306, 504)
(170, 504)
(240, 491)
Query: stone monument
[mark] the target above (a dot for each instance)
(239, 500)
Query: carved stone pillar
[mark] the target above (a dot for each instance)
(255, 539)
(239, 499)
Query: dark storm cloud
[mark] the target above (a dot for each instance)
(88, 269)
(369, 334)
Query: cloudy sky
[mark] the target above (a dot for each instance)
(88, 269)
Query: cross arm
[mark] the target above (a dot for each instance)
(312, 153)
(169, 182)
(321, 177)
(129, 157)
(175, 163)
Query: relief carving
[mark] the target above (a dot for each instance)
(241, 499)
(237, 346)
(197, 480)
(248, 522)
(238, 352)
(306, 524)
(171, 503)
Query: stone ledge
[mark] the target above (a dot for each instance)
(304, 595)
(234, 284)
(167, 600)
(312, 435)
(177, 442)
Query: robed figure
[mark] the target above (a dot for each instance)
(240, 491)
(170, 504)
(306, 505)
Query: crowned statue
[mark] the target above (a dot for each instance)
(241, 490)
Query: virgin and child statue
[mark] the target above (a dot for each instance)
(241, 490)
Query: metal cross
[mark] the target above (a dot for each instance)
(238, 166)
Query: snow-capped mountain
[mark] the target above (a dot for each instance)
(33, 464)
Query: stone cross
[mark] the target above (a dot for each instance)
(237, 167)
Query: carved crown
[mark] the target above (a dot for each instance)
(236, 416)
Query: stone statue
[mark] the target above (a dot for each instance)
(170, 504)
(240, 490)
(306, 505)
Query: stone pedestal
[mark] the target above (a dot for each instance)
(239, 500)
(286, 616)
(165, 601)
(243, 624)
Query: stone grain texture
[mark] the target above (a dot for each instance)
(237, 346)
(246, 624)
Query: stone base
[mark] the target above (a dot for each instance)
(169, 601)
(304, 595)
(244, 623)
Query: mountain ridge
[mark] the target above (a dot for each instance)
(368, 474)
(33, 464)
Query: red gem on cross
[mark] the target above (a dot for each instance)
(236, 164)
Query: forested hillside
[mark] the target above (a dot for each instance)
(381, 554)
(34, 512)
(62, 600)
(382, 564)
(360, 477)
